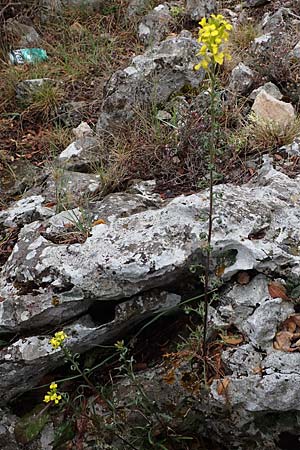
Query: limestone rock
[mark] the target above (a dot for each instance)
(267, 107)
(24, 363)
(254, 3)
(67, 189)
(154, 247)
(295, 53)
(82, 130)
(150, 79)
(277, 20)
(241, 79)
(155, 25)
(25, 35)
(25, 211)
(80, 154)
(72, 113)
(269, 88)
(137, 7)
(197, 9)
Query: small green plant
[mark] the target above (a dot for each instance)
(44, 102)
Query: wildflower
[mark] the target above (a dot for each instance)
(52, 395)
(212, 34)
(58, 339)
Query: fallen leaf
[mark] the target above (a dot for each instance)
(232, 340)
(98, 222)
(296, 319)
(283, 341)
(277, 290)
(289, 325)
(220, 270)
(243, 277)
(222, 386)
(49, 204)
(170, 377)
(257, 370)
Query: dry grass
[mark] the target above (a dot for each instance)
(260, 136)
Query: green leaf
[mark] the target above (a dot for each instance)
(30, 426)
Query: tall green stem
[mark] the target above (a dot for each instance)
(212, 153)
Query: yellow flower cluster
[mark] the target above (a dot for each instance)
(58, 339)
(52, 395)
(212, 35)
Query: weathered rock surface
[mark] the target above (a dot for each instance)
(24, 363)
(197, 9)
(137, 7)
(127, 255)
(25, 35)
(241, 79)
(24, 211)
(155, 25)
(67, 189)
(269, 88)
(268, 108)
(150, 79)
(80, 154)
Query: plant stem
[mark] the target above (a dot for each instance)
(212, 152)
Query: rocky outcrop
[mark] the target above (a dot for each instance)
(150, 79)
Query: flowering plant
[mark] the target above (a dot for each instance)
(52, 395)
(212, 34)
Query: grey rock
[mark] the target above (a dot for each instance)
(155, 25)
(277, 20)
(67, 189)
(255, 3)
(24, 363)
(27, 89)
(295, 53)
(292, 149)
(243, 360)
(150, 79)
(151, 248)
(71, 114)
(80, 154)
(241, 79)
(82, 130)
(25, 211)
(21, 176)
(263, 42)
(7, 435)
(137, 7)
(26, 35)
(269, 88)
(197, 9)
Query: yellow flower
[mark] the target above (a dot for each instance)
(212, 34)
(58, 339)
(52, 395)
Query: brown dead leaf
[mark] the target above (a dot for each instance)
(289, 325)
(49, 204)
(283, 341)
(257, 370)
(277, 290)
(296, 319)
(170, 377)
(232, 340)
(98, 222)
(222, 386)
(243, 277)
(220, 270)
